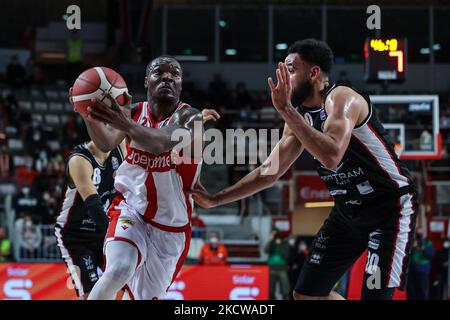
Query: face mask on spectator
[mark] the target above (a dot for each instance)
(291, 241)
(214, 240)
(36, 136)
(46, 196)
(446, 244)
(302, 247)
(26, 191)
(28, 224)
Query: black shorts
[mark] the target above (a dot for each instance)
(386, 231)
(83, 255)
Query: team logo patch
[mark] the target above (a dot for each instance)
(124, 227)
(323, 114)
(115, 163)
(309, 119)
(127, 221)
(316, 258)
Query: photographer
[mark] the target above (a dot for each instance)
(419, 270)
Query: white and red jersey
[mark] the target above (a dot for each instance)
(152, 184)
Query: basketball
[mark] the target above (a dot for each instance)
(95, 83)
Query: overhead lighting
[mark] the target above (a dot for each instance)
(191, 58)
(436, 47)
(230, 52)
(321, 204)
(281, 46)
(222, 23)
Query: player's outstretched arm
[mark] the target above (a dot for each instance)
(343, 106)
(287, 150)
(80, 172)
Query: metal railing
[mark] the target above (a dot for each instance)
(44, 249)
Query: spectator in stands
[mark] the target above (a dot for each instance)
(278, 250)
(213, 252)
(218, 93)
(30, 238)
(34, 137)
(241, 97)
(198, 226)
(419, 270)
(15, 73)
(441, 265)
(48, 207)
(26, 202)
(299, 252)
(5, 247)
(6, 163)
(26, 173)
(34, 72)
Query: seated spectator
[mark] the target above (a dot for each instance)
(418, 287)
(26, 173)
(49, 208)
(241, 96)
(213, 252)
(6, 163)
(218, 93)
(5, 247)
(26, 203)
(15, 72)
(441, 274)
(29, 238)
(198, 226)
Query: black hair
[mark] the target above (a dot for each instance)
(166, 56)
(314, 51)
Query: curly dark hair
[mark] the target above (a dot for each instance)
(314, 51)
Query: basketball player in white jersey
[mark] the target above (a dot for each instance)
(149, 231)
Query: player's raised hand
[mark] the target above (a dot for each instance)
(210, 114)
(202, 197)
(281, 92)
(107, 110)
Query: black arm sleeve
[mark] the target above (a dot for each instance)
(96, 212)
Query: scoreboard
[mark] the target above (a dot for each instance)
(385, 59)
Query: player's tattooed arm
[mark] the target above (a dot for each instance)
(287, 150)
(344, 107)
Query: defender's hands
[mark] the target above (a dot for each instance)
(281, 93)
(202, 197)
(210, 114)
(116, 116)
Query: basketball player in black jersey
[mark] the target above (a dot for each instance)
(375, 197)
(82, 223)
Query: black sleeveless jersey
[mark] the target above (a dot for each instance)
(73, 215)
(370, 170)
